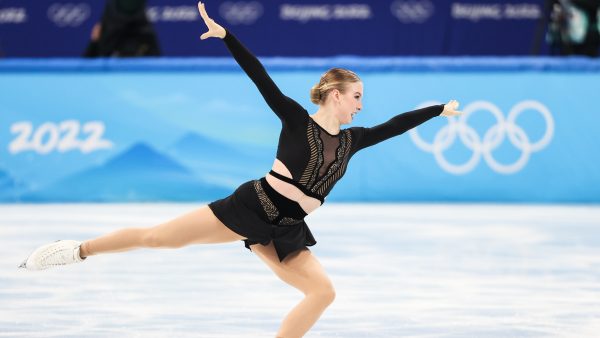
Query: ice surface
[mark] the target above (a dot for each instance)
(400, 270)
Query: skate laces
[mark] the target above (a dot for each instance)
(62, 254)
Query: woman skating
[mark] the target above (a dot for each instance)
(268, 213)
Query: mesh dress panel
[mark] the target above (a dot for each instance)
(331, 144)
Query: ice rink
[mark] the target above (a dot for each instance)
(400, 270)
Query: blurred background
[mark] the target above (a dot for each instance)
(119, 100)
(49, 28)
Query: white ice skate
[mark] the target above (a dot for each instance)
(53, 254)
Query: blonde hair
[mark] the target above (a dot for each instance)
(335, 78)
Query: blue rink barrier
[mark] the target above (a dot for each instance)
(374, 64)
(114, 130)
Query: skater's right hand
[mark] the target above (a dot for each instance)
(214, 29)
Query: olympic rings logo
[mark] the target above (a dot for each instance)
(412, 11)
(242, 12)
(459, 129)
(69, 14)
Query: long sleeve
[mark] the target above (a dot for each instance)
(288, 110)
(366, 137)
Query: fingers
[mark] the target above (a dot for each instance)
(455, 107)
(206, 19)
(450, 108)
(202, 11)
(453, 104)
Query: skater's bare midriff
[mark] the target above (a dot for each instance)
(307, 203)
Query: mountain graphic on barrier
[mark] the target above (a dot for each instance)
(140, 173)
(9, 189)
(219, 162)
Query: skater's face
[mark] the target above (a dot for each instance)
(348, 103)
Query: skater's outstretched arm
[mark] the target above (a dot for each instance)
(399, 124)
(288, 110)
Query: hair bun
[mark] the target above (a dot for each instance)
(315, 94)
(335, 78)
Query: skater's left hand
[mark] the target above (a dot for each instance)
(450, 109)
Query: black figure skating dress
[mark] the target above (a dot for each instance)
(315, 158)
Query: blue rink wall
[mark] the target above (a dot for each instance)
(194, 129)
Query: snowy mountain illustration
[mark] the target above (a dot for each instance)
(9, 189)
(140, 173)
(215, 161)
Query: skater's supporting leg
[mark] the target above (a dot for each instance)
(303, 271)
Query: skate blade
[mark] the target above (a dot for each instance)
(23, 265)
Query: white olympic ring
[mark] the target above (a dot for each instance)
(69, 14)
(492, 138)
(412, 11)
(241, 12)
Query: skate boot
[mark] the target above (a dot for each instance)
(53, 254)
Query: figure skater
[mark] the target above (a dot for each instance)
(268, 213)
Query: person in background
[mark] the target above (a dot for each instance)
(124, 31)
(574, 27)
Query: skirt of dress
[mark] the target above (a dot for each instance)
(259, 213)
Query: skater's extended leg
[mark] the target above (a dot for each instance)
(200, 226)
